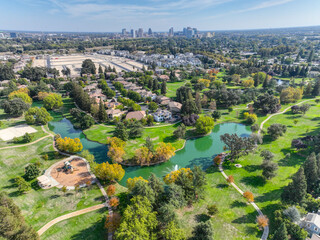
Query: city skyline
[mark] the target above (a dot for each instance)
(159, 15)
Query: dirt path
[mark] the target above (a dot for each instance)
(70, 215)
(272, 115)
(265, 229)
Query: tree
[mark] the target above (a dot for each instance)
(230, 179)
(164, 152)
(190, 120)
(6, 72)
(12, 222)
(157, 186)
(262, 221)
(112, 222)
(143, 156)
(138, 221)
(249, 83)
(259, 78)
(237, 145)
(267, 155)
(15, 107)
(180, 132)
(23, 185)
(149, 144)
(167, 213)
(176, 195)
(290, 94)
(164, 88)
(212, 209)
(52, 101)
(267, 103)
(131, 182)
(37, 115)
(189, 107)
(311, 172)
(102, 114)
(116, 149)
(143, 189)
(249, 196)
(69, 145)
(276, 130)
(88, 67)
(22, 95)
(114, 202)
(204, 125)
(304, 108)
(172, 232)
(153, 106)
(203, 231)
(316, 89)
(136, 129)
(173, 176)
(269, 169)
(296, 191)
(216, 115)
(250, 117)
(292, 213)
(281, 233)
(111, 190)
(110, 172)
(121, 132)
(31, 171)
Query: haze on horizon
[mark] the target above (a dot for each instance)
(160, 15)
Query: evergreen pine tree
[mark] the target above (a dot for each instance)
(311, 172)
(265, 82)
(102, 114)
(281, 233)
(164, 88)
(121, 132)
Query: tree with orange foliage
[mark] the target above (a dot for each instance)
(111, 190)
(114, 202)
(217, 160)
(112, 222)
(262, 221)
(230, 179)
(249, 196)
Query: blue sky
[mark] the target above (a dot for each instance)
(160, 15)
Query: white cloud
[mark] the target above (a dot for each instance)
(266, 4)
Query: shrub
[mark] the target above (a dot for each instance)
(212, 209)
(217, 160)
(114, 202)
(262, 221)
(249, 196)
(111, 190)
(230, 179)
(31, 171)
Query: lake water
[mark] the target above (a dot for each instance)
(198, 151)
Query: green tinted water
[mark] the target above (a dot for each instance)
(199, 151)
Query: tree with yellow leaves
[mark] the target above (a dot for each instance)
(110, 172)
(131, 182)
(143, 156)
(249, 83)
(116, 149)
(290, 94)
(164, 152)
(205, 82)
(172, 176)
(69, 145)
(22, 93)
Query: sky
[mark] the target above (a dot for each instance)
(160, 15)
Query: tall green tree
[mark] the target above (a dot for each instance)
(281, 233)
(203, 231)
(121, 132)
(138, 221)
(102, 114)
(311, 172)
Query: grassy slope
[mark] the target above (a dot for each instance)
(173, 86)
(267, 194)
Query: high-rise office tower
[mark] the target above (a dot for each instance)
(171, 33)
(150, 32)
(133, 33)
(140, 32)
(124, 31)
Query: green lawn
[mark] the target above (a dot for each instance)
(99, 133)
(267, 194)
(173, 86)
(89, 226)
(40, 206)
(236, 218)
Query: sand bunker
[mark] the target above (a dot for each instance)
(16, 131)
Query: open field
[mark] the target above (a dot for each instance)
(16, 131)
(74, 62)
(173, 86)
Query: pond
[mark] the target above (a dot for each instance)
(198, 151)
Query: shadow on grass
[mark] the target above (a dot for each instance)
(294, 159)
(222, 185)
(238, 204)
(247, 218)
(252, 231)
(202, 217)
(252, 168)
(94, 232)
(255, 181)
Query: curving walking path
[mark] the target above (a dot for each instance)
(278, 113)
(265, 229)
(70, 215)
